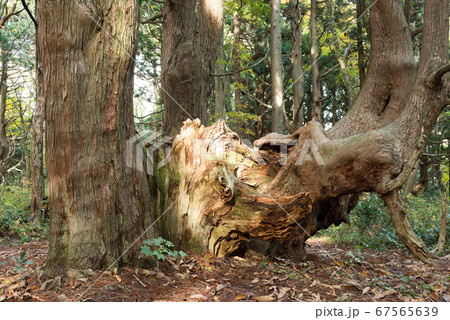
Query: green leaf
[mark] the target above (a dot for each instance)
(22, 256)
(160, 256)
(146, 250)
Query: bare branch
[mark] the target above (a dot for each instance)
(152, 19)
(9, 14)
(257, 100)
(25, 6)
(417, 31)
(439, 73)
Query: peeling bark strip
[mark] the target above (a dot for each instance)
(221, 205)
(97, 208)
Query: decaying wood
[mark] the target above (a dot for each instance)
(223, 196)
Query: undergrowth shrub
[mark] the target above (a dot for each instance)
(14, 215)
(371, 225)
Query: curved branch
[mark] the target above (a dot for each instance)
(25, 6)
(152, 19)
(415, 32)
(439, 73)
(256, 99)
(403, 228)
(10, 14)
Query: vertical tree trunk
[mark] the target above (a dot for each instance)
(4, 144)
(407, 10)
(237, 61)
(297, 65)
(423, 173)
(443, 230)
(411, 182)
(98, 208)
(342, 59)
(37, 143)
(317, 113)
(219, 83)
(276, 67)
(190, 47)
(360, 10)
(238, 106)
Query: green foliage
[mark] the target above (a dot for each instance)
(161, 248)
(371, 225)
(14, 214)
(244, 122)
(424, 214)
(21, 261)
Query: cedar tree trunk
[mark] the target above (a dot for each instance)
(98, 208)
(189, 51)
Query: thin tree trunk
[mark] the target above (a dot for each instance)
(317, 112)
(37, 143)
(411, 182)
(237, 61)
(276, 67)
(342, 60)
(4, 144)
(297, 65)
(360, 9)
(443, 230)
(423, 173)
(220, 83)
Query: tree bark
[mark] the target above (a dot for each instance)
(98, 208)
(317, 112)
(411, 182)
(297, 66)
(37, 144)
(423, 173)
(219, 83)
(4, 144)
(443, 230)
(276, 67)
(360, 10)
(342, 59)
(190, 47)
(237, 61)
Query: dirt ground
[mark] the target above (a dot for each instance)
(328, 273)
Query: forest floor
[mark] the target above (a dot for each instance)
(329, 273)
